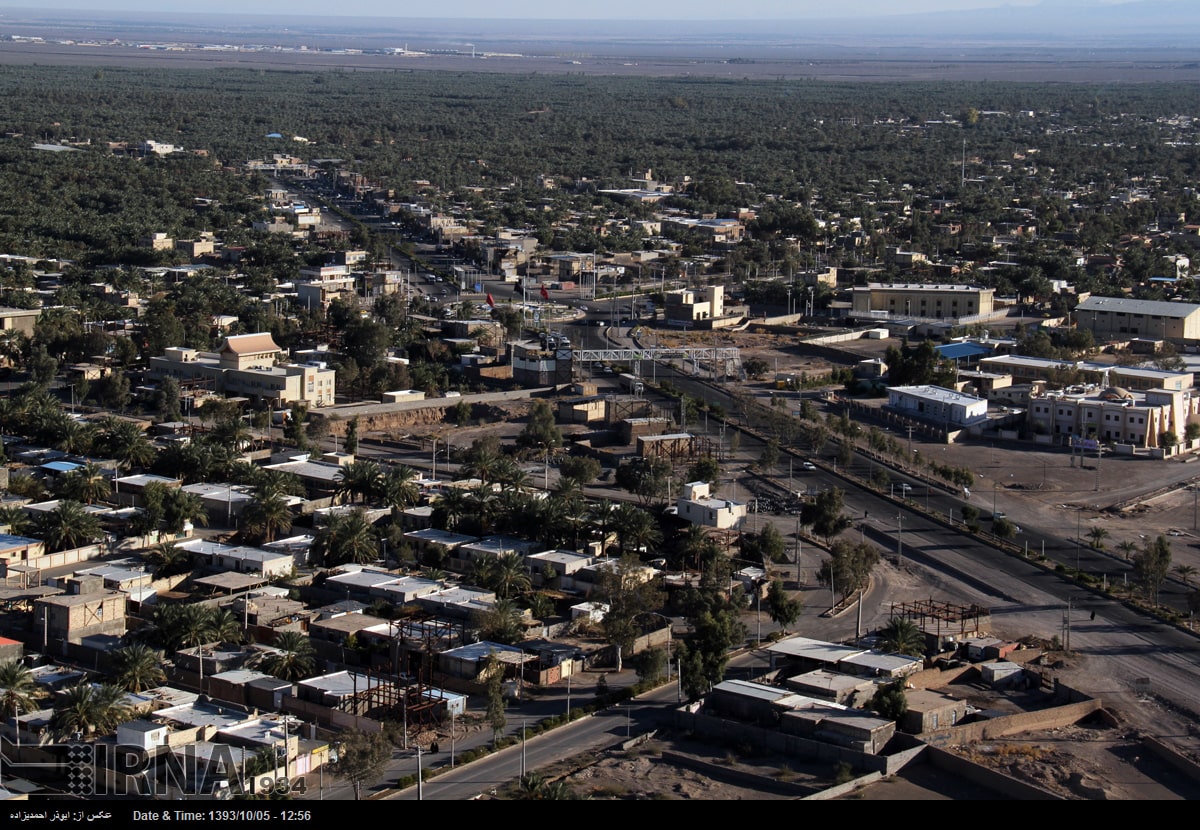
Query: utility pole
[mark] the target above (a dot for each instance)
(1067, 627)
(420, 782)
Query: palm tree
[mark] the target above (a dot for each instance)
(75, 437)
(68, 526)
(451, 508)
(533, 787)
(348, 537)
(17, 688)
(1186, 573)
(482, 572)
(902, 636)
(15, 520)
(694, 545)
(266, 516)
(88, 708)
(399, 488)
(194, 625)
(482, 501)
(226, 627)
(180, 508)
(483, 463)
(540, 605)
(508, 474)
(575, 518)
(276, 482)
(1097, 535)
(361, 478)
(138, 667)
(127, 443)
(511, 577)
(602, 522)
(501, 623)
(89, 484)
(1127, 548)
(295, 657)
(168, 560)
(549, 526)
(635, 528)
(233, 434)
(515, 512)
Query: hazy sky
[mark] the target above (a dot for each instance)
(549, 9)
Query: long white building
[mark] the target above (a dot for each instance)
(937, 405)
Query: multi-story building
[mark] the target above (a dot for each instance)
(936, 302)
(317, 287)
(534, 364)
(248, 365)
(698, 506)
(1028, 369)
(1115, 415)
(698, 308)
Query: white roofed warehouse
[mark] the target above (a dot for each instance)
(937, 405)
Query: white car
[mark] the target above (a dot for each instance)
(808, 465)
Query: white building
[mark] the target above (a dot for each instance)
(697, 506)
(938, 405)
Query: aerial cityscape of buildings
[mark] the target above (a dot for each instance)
(326, 476)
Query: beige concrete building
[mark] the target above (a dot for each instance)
(157, 241)
(940, 302)
(317, 287)
(19, 320)
(71, 617)
(699, 507)
(249, 365)
(1120, 317)
(1025, 369)
(1114, 415)
(697, 308)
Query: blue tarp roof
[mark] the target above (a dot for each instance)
(61, 466)
(957, 351)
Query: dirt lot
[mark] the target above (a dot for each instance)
(1092, 761)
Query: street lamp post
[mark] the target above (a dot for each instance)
(1078, 537)
(899, 537)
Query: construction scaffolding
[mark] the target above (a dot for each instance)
(678, 448)
(944, 618)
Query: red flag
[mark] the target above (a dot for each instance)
(490, 301)
(545, 293)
